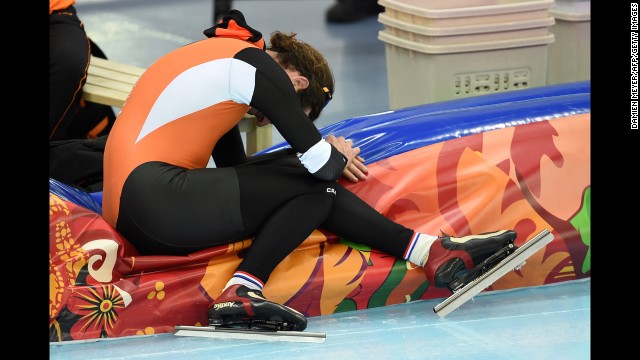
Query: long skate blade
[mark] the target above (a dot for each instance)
(267, 335)
(502, 268)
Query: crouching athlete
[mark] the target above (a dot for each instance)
(161, 196)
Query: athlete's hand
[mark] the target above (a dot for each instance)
(355, 170)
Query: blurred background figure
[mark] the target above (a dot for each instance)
(70, 50)
(77, 128)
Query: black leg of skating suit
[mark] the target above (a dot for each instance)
(355, 220)
(344, 214)
(278, 238)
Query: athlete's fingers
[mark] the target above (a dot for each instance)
(359, 169)
(359, 164)
(349, 176)
(355, 171)
(344, 147)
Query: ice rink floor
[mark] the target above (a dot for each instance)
(546, 322)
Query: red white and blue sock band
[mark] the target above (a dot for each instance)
(412, 246)
(246, 279)
(418, 250)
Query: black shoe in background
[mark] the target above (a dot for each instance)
(220, 9)
(345, 11)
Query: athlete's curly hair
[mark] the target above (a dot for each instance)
(294, 54)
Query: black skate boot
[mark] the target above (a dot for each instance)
(453, 262)
(244, 308)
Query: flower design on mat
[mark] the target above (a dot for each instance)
(158, 292)
(66, 257)
(98, 307)
(147, 331)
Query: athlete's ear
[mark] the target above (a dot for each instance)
(300, 82)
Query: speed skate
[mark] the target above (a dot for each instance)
(250, 334)
(486, 273)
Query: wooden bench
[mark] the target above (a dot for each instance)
(109, 83)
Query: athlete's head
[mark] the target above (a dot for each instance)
(307, 68)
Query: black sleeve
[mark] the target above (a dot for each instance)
(229, 150)
(276, 98)
(255, 159)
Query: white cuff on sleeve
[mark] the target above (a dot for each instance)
(316, 157)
